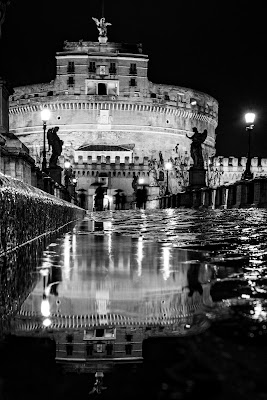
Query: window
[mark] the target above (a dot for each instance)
(128, 337)
(166, 97)
(89, 349)
(92, 67)
(102, 70)
(153, 95)
(109, 349)
(70, 67)
(132, 82)
(133, 70)
(128, 348)
(70, 81)
(112, 68)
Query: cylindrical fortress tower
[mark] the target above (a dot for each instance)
(101, 99)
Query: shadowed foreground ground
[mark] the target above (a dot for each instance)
(212, 364)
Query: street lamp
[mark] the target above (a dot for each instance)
(141, 181)
(45, 116)
(168, 167)
(250, 118)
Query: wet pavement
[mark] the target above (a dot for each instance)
(185, 291)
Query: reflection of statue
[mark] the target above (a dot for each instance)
(101, 26)
(135, 182)
(56, 144)
(3, 6)
(196, 148)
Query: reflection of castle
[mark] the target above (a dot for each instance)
(112, 119)
(97, 310)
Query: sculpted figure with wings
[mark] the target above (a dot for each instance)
(101, 26)
(196, 149)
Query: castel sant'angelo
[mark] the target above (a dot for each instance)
(114, 122)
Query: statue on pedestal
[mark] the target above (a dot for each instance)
(101, 26)
(56, 143)
(196, 149)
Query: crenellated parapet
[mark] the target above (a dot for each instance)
(121, 168)
(223, 170)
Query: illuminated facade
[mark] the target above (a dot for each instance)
(111, 118)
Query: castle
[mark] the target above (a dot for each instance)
(117, 125)
(105, 108)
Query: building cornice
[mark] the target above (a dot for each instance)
(120, 106)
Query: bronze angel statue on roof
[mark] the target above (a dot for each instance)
(101, 26)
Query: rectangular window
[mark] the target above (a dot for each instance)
(133, 70)
(109, 349)
(70, 81)
(92, 67)
(132, 82)
(112, 68)
(71, 67)
(153, 95)
(128, 349)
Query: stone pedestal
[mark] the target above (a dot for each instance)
(56, 174)
(197, 178)
(102, 39)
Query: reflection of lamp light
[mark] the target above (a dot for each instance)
(67, 164)
(168, 167)
(45, 307)
(47, 322)
(68, 173)
(250, 118)
(141, 181)
(45, 116)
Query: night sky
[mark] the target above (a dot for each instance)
(217, 47)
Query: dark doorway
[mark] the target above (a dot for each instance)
(102, 89)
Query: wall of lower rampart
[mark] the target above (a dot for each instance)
(27, 213)
(223, 170)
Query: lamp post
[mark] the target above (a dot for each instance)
(45, 116)
(250, 118)
(168, 167)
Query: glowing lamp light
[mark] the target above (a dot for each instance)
(45, 114)
(47, 322)
(67, 164)
(250, 118)
(141, 181)
(74, 180)
(168, 166)
(45, 308)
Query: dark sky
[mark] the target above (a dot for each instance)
(217, 47)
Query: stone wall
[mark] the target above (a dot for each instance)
(241, 194)
(27, 212)
(225, 170)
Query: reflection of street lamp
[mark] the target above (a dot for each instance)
(68, 173)
(168, 167)
(45, 116)
(141, 181)
(249, 117)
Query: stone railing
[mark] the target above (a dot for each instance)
(27, 212)
(241, 194)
